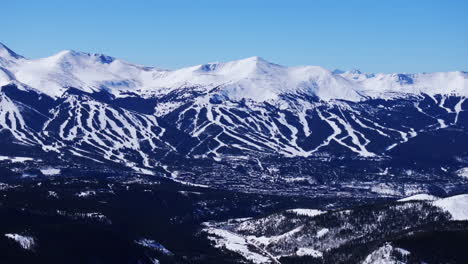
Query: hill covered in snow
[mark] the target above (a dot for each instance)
(251, 78)
(304, 127)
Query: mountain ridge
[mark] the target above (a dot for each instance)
(248, 119)
(252, 78)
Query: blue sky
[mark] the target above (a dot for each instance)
(374, 36)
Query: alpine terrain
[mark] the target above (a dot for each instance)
(245, 161)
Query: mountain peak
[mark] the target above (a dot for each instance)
(253, 77)
(355, 71)
(256, 64)
(257, 61)
(7, 53)
(69, 53)
(76, 55)
(242, 67)
(65, 54)
(338, 71)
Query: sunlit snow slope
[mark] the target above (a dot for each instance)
(105, 109)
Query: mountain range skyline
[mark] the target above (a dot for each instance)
(353, 69)
(253, 78)
(173, 35)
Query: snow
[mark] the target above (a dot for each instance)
(272, 239)
(52, 194)
(419, 197)
(149, 243)
(385, 189)
(8, 57)
(384, 255)
(84, 194)
(309, 252)
(322, 232)
(164, 108)
(50, 171)
(296, 179)
(252, 78)
(26, 242)
(463, 172)
(5, 77)
(260, 80)
(12, 120)
(236, 243)
(307, 212)
(391, 85)
(4, 186)
(88, 122)
(143, 171)
(457, 206)
(190, 184)
(15, 159)
(89, 72)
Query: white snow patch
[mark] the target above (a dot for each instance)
(15, 159)
(272, 239)
(385, 172)
(322, 232)
(50, 171)
(463, 172)
(52, 194)
(307, 212)
(309, 252)
(457, 206)
(385, 189)
(296, 179)
(384, 255)
(236, 243)
(143, 171)
(5, 186)
(26, 242)
(86, 194)
(419, 197)
(190, 184)
(154, 261)
(164, 108)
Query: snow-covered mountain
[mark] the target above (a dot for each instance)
(252, 78)
(104, 110)
(87, 72)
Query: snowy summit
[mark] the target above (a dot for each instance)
(252, 78)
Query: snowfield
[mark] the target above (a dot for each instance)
(103, 109)
(457, 206)
(253, 78)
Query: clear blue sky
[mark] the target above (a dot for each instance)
(371, 35)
